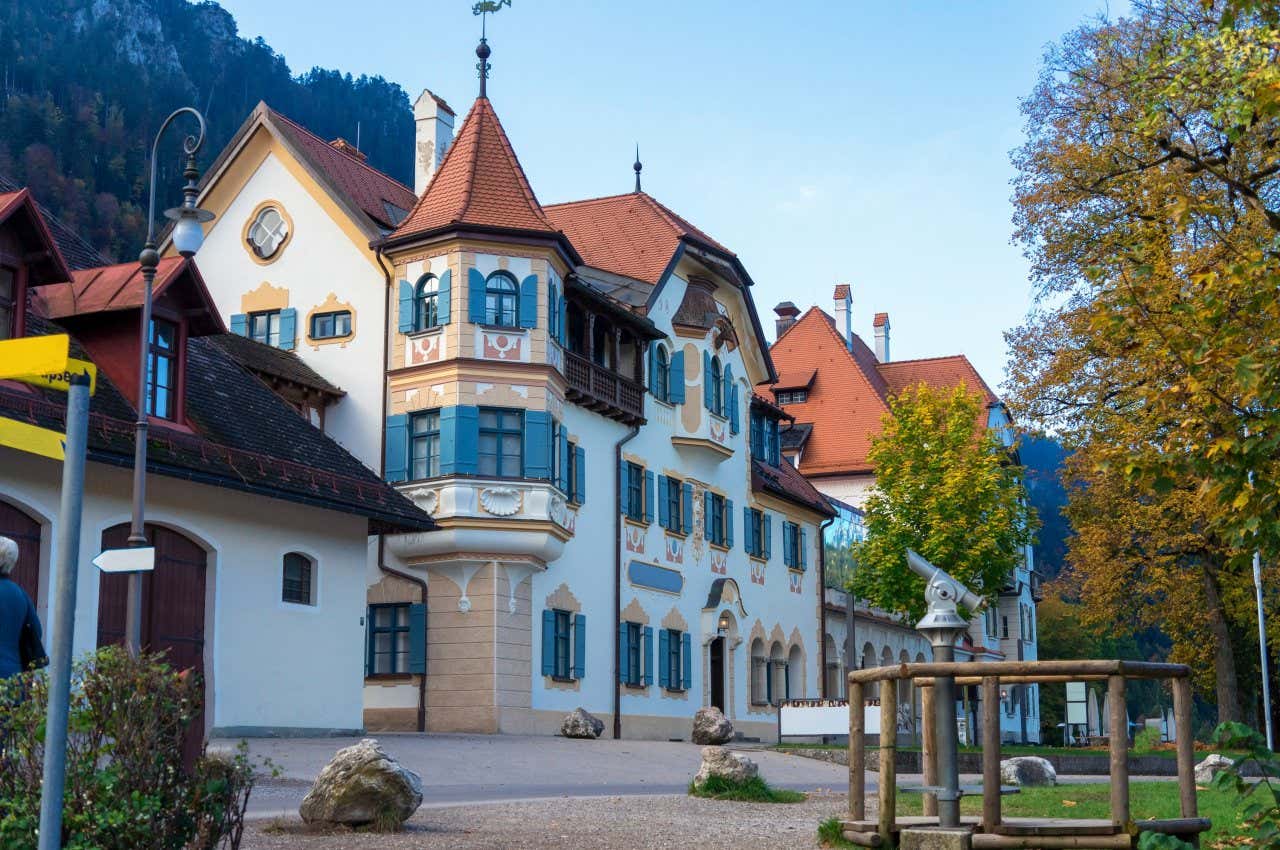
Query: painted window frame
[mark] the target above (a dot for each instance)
(794, 555)
(303, 586)
(499, 432)
(563, 639)
(718, 520)
(675, 505)
(426, 304)
(674, 662)
(272, 336)
(717, 385)
(792, 396)
(496, 307)
(662, 374)
(256, 223)
(429, 438)
(173, 356)
(635, 655)
(635, 491)
(398, 625)
(334, 333)
(755, 533)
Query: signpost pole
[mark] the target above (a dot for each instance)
(64, 610)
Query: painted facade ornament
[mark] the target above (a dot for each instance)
(635, 539)
(428, 500)
(719, 432)
(500, 501)
(556, 510)
(699, 540)
(502, 346)
(757, 572)
(719, 562)
(675, 549)
(429, 348)
(797, 581)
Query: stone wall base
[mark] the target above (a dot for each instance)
(391, 719)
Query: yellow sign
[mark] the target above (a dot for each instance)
(33, 355)
(62, 380)
(32, 438)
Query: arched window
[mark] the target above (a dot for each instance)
(502, 300)
(426, 307)
(267, 232)
(662, 373)
(717, 386)
(299, 577)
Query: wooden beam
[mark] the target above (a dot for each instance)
(927, 682)
(929, 749)
(857, 754)
(888, 779)
(1186, 747)
(990, 753)
(1119, 739)
(989, 841)
(863, 839)
(1003, 669)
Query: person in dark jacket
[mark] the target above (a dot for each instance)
(16, 611)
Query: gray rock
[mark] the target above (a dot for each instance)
(580, 723)
(710, 726)
(363, 785)
(718, 761)
(1212, 763)
(1027, 771)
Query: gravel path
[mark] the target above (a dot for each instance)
(601, 823)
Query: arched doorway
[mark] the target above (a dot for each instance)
(173, 606)
(25, 531)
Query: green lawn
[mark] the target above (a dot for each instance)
(1146, 800)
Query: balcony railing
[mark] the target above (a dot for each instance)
(603, 390)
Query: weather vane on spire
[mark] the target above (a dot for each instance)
(637, 166)
(484, 8)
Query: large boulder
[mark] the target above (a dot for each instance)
(581, 723)
(718, 761)
(1212, 763)
(710, 726)
(1027, 771)
(363, 785)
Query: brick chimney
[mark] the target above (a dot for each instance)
(434, 122)
(882, 337)
(844, 309)
(787, 313)
(346, 147)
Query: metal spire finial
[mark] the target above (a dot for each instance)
(637, 166)
(483, 9)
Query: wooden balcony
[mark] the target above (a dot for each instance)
(603, 390)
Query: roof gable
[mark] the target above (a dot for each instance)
(108, 289)
(479, 183)
(46, 261)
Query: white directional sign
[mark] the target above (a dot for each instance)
(134, 560)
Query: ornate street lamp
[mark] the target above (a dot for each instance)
(188, 235)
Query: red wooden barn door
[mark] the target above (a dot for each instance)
(173, 598)
(24, 530)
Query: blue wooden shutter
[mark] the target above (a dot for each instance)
(443, 300)
(708, 391)
(686, 661)
(405, 323)
(537, 444)
(564, 459)
(706, 514)
(726, 389)
(580, 469)
(417, 638)
(748, 536)
(459, 440)
(368, 641)
(240, 324)
(786, 542)
(397, 463)
(624, 652)
(475, 296)
(529, 302)
(728, 523)
(768, 535)
(288, 328)
(553, 312)
(733, 409)
(648, 496)
(664, 518)
(548, 642)
(675, 379)
(686, 508)
(664, 652)
(579, 645)
(804, 555)
(648, 655)
(652, 366)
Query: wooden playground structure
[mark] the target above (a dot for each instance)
(990, 829)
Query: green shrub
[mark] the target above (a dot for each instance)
(127, 786)
(831, 834)
(753, 790)
(1147, 741)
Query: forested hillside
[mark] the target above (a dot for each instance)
(86, 84)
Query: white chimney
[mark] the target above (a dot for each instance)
(882, 337)
(844, 313)
(434, 120)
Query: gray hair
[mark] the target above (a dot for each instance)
(8, 555)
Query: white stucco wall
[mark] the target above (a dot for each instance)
(269, 665)
(320, 258)
(851, 489)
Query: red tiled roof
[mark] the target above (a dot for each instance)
(364, 186)
(881, 320)
(795, 379)
(632, 235)
(850, 395)
(480, 182)
(842, 292)
(106, 288)
(783, 480)
(51, 268)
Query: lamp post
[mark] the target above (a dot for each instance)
(188, 234)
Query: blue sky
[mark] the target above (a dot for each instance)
(849, 142)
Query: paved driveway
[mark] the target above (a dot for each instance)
(486, 768)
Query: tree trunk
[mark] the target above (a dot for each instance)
(1228, 686)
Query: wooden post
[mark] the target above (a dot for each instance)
(928, 749)
(1119, 752)
(888, 780)
(857, 754)
(1186, 746)
(990, 753)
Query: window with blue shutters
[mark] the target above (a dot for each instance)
(792, 545)
(633, 648)
(713, 384)
(424, 444)
(755, 531)
(686, 507)
(577, 474)
(528, 313)
(564, 644)
(397, 639)
(539, 445)
(675, 651)
(633, 495)
(660, 372)
(562, 639)
(459, 440)
(672, 513)
(428, 305)
(501, 438)
(501, 301)
(264, 327)
(397, 452)
(756, 436)
(717, 524)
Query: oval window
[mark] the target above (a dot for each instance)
(268, 232)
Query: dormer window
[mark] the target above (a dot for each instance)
(8, 302)
(162, 369)
(502, 301)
